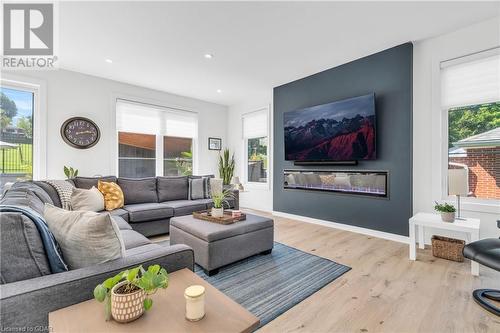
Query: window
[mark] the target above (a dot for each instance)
(136, 155)
(471, 99)
(255, 128)
(178, 156)
(153, 140)
(17, 108)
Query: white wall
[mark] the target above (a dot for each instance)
(256, 196)
(428, 126)
(74, 94)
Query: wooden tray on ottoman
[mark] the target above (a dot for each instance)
(205, 215)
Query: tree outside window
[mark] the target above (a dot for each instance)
(257, 160)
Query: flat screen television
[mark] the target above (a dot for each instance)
(339, 131)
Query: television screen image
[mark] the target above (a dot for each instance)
(338, 131)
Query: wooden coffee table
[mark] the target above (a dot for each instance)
(167, 314)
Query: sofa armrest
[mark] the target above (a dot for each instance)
(236, 195)
(27, 303)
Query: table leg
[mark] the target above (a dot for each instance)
(474, 266)
(413, 250)
(421, 244)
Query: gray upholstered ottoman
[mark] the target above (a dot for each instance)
(216, 245)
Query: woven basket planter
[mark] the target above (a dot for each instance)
(127, 307)
(448, 248)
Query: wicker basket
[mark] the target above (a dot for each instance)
(448, 248)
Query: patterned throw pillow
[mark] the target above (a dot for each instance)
(113, 195)
(198, 188)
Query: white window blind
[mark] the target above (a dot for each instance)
(149, 119)
(470, 81)
(255, 124)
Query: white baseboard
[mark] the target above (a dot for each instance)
(346, 227)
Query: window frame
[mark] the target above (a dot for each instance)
(159, 137)
(249, 184)
(38, 88)
(468, 203)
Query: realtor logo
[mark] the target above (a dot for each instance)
(28, 36)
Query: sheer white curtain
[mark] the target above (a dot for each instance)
(471, 80)
(149, 119)
(255, 124)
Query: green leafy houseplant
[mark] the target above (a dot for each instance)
(226, 166)
(149, 280)
(70, 172)
(444, 208)
(219, 199)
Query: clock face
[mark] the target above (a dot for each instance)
(80, 132)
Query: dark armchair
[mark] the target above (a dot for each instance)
(487, 253)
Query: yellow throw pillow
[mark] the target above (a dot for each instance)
(113, 195)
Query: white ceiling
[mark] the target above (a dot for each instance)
(256, 46)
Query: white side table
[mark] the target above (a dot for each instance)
(470, 227)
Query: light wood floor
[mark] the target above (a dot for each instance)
(384, 291)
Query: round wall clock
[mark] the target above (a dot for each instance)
(80, 132)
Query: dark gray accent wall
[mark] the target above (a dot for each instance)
(389, 75)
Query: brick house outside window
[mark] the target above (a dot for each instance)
(481, 153)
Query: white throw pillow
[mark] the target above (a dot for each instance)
(89, 200)
(85, 238)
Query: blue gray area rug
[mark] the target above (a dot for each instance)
(269, 285)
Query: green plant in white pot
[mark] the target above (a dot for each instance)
(447, 211)
(219, 199)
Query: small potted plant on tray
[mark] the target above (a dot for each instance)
(219, 199)
(126, 295)
(447, 211)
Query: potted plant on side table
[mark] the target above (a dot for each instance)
(447, 211)
(126, 295)
(219, 199)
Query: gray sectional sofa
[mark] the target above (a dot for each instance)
(28, 288)
(150, 202)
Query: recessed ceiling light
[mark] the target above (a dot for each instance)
(109, 61)
(208, 56)
(219, 91)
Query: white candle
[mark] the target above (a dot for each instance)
(195, 302)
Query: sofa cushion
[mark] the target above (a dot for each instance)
(211, 232)
(172, 188)
(140, 190)
(186, 207)
(121, 223)
(121, 213)
(198, 188)
(148, 211)
(133, 239)
(51, 191)
(86, 238)
(23, 197)
(23, 253)
(88, 182)
(89, 200)
(142, 249)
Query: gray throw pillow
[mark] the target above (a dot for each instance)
(198, 188)
(85, 238)
(89, 200)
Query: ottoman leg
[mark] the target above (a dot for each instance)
(266, 252)
(212, 272)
